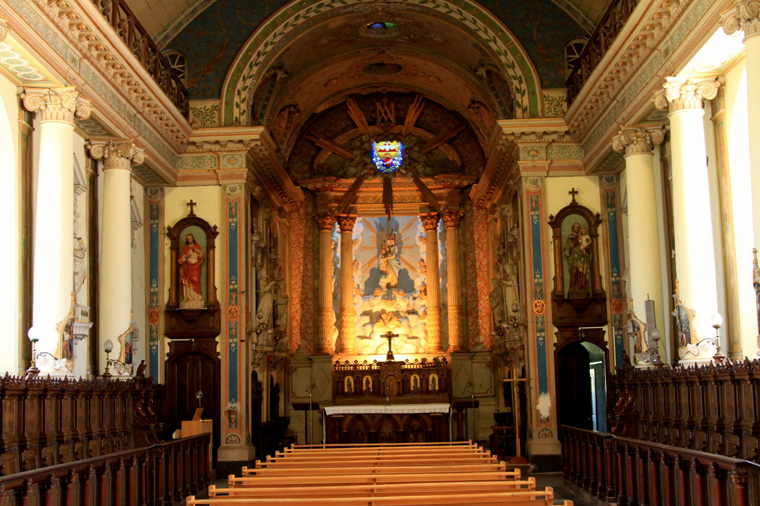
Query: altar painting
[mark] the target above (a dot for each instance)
(390, 284)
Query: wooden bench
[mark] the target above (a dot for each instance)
(374, 490)
(369, 479)
(383, 445)
(374, 461)
(512, 498)
(410, 469)
(318, 454)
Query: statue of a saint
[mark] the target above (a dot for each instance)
(191, 264)
(577, 252)
(390, 263)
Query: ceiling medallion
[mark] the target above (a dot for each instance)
(387, 155)
(380, 29)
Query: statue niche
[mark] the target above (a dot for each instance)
(578, 299)
(193, 309)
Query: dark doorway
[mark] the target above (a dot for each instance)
(574, 386)
(193, 366)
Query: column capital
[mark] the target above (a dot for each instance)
(117, 154)
(744, 16)
(325, 221)
(429, 221)
(633, 141)
(681, 94)
(451, 218)
(57, 104)
(346, 223)
(4, 29)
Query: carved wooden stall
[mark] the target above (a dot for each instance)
(48, 421)
(712, 408)
(390, 402)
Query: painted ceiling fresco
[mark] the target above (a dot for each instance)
(212, 40)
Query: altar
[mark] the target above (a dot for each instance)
(391, 423)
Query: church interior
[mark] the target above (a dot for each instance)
(531, 225)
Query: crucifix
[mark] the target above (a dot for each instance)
(389, 335)
(191, 204)
(573, 192)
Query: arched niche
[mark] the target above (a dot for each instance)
(192, 258)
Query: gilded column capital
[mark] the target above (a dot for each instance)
(633, 141)
(346, 223)
(325, 221)
(57, 104)
(681, 94)
(4, 29)
(744, 16)
(429, 221)
(117, 154)
(452, 218)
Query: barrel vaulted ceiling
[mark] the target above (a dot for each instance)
(212, 34)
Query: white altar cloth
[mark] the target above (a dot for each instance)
(381, 409)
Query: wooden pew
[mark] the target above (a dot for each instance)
(511, 498)
(399, 452)
(374, 490)
(374, 461)
(410, 469)
(369, 479)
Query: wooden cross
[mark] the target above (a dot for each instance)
(389, 335)
(573, 192)
(191, 204)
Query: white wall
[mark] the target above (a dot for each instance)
(9, 210)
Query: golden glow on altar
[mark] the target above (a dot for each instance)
(399, 357)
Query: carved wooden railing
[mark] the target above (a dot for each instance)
(600, 41)
(132, 33)
(634, 472)
(46, 421)
(713, 408)
(159, 475)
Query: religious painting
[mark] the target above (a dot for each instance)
(414, 383)
(367, 384)
(348, 385)
(192, 268)
(577, 256)
(390, 283)
(433, 383)
(683, 323)
(685, 332)
(65, 349)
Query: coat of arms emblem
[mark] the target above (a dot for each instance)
(387, 155)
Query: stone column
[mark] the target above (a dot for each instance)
(643, 225)
(54, 219)
(326, 314)
(451, 220)
(347, 311)
(115, 298)
(433, 322)
(745, 15)
(692, 219)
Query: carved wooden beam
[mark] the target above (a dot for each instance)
(358, 116)
(330, 146)
(412, 114)
(427, 194)
(350, 196)
(441, 139)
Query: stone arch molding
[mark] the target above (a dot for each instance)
(256, 54)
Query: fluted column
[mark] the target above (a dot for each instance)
(326, 314)
(347, 311)
(54, 218)
(451, 220)
(745, 16)
(433, 322)
(692, 220)
(643, 225)
(115, 298)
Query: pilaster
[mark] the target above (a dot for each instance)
(430, 224)
(451, 220)
(347, 311)
(325, 222)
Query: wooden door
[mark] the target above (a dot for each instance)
(193, 366)
(574, 386)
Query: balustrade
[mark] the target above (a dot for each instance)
(598, 44)
(162, 474)
(635, 472)
(46, 421)
(132, 33)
